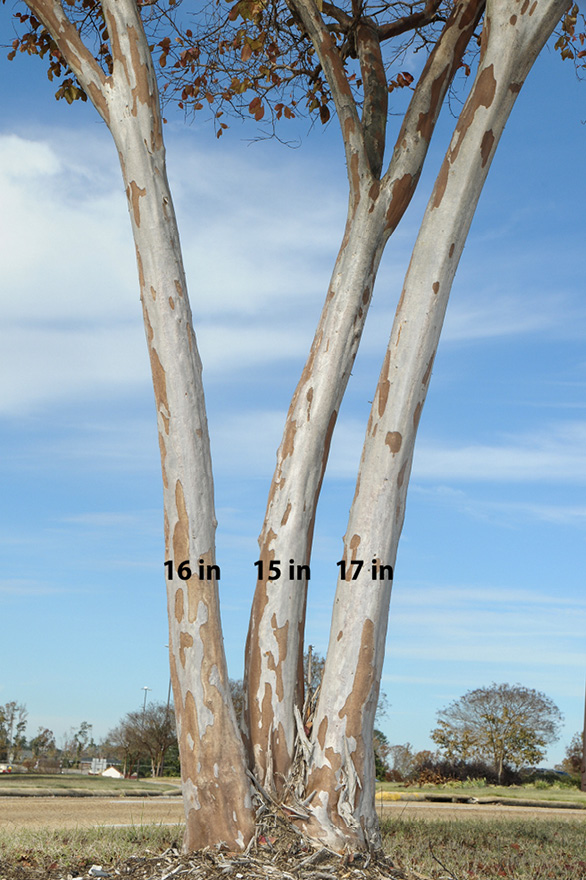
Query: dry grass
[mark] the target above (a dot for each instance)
(465, 849)
(78, 783)
(438, 849)
(79, 848)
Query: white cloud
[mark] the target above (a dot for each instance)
(494, 315)
(41, 365)
(483, 625)
(555, 452)
(259, 239)
(258, 246)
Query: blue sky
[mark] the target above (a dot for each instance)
(490, 573)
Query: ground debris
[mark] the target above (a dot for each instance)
(281, 859)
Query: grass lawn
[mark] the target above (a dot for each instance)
(473, 789)
(519, 849)
(79, 848)
(465, 849)
(47, 784)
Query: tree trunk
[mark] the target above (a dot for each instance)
(341, 765)
(216, 789)
(274, 649)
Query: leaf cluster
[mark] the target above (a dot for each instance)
(570, 41)
(260, 48)
(244, 58)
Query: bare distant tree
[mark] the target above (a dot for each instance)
(149, 732)
(13, 717)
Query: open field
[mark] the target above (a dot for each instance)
(49, 838)
(63, 812)
(33, 784)
(462, 790)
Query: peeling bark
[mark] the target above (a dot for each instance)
(273, 677)
(342, 748)
(337, 756)
(216, 788)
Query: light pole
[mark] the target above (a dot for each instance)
(146, 690)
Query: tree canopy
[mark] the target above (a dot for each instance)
(505, 725)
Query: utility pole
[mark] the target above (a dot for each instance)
(583, 767)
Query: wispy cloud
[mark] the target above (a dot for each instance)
(108, 520)
(506, 512)
(555, 452)
(487, 629)
(21, 587)
(259, 241)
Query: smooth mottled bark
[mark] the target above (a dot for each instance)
(273, 678)
(216, 789)
(337, 766)
(341, 764)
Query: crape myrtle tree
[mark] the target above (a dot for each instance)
(347, 58)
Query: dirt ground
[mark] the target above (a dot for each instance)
(67, 812)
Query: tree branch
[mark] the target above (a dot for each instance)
(343, 19)
(409, 22)
(376, 96)
(335, 74)
(79, 58)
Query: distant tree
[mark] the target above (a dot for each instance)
(149, 732)
(44, 752)
(43, 744)
(121, 744)
(574, 752)
(381, 754)
(76, 744)
(13, 717)
(401, 760)
(506, 725)
(423, 757)
(237, 693)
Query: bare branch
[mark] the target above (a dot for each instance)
(375, 107)
(81, 61)
(333, 68)
(343, 19)
(410, 22)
